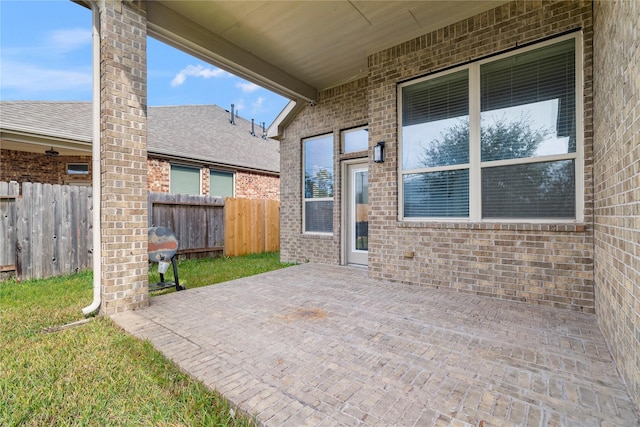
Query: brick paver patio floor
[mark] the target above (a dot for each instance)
(325, 345)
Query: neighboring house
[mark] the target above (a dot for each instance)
(192, 149)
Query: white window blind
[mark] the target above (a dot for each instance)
(525, 138)
(221, 184)
(184, 180)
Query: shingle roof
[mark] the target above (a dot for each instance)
(205, 133)
(195, 132)
(71, 120)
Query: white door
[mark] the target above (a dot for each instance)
(357, 214)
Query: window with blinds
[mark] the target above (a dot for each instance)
(496, 139)
(318, 184)
(220, 184)
(184, 180)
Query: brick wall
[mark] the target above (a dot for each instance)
(336, 109)
(541, 264)
(123, 155)
(617, 182)
(249, 185)
(22, 167)
(159, 173)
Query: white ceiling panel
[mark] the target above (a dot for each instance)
(299, 47)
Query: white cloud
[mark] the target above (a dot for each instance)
(54, 45)
(69, 40)
(258, 105)
(247, 87)
(57, 66)
(33, 79)
(239, 105)
(197, 71)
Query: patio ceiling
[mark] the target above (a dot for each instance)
(297, 48)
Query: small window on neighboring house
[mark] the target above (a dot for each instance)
(184, 180)
(497, 139)
(77, 168)
(318, 184)
(354, 140)
(221, 184)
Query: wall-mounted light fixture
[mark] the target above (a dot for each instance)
(51, 153)
(378, 152)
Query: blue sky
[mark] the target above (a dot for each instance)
(45, 54)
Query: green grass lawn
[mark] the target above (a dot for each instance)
(203, 272)
(96, 374)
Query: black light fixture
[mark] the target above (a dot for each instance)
(378, 152)
(51, 153)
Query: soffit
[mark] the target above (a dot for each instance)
(298, 47)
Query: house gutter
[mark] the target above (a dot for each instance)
(95, 162)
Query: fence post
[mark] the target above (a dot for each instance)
(9, 200)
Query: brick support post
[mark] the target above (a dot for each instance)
(123, 155)
(616, 73)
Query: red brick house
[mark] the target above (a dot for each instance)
(193, 149)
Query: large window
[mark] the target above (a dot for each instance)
(184, 180)
(221, 184)
(494, 140)
(318, 184)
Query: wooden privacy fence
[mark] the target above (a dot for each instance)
(251, 226)
(197, 221)
(46, 230)
(206, 225)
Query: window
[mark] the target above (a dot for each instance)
(318, 184)
(221, 184)
(184, 180)
(77, 168)
(354, 140)
(494, 140)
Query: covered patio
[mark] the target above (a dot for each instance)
(327, 345)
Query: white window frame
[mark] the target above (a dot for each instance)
(475, 165)
(317, 199)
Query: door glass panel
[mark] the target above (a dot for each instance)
(361, 185)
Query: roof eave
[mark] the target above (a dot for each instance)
(72, 142)
(286, 116)
(200, 162)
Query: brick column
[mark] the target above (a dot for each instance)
(123, 155)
